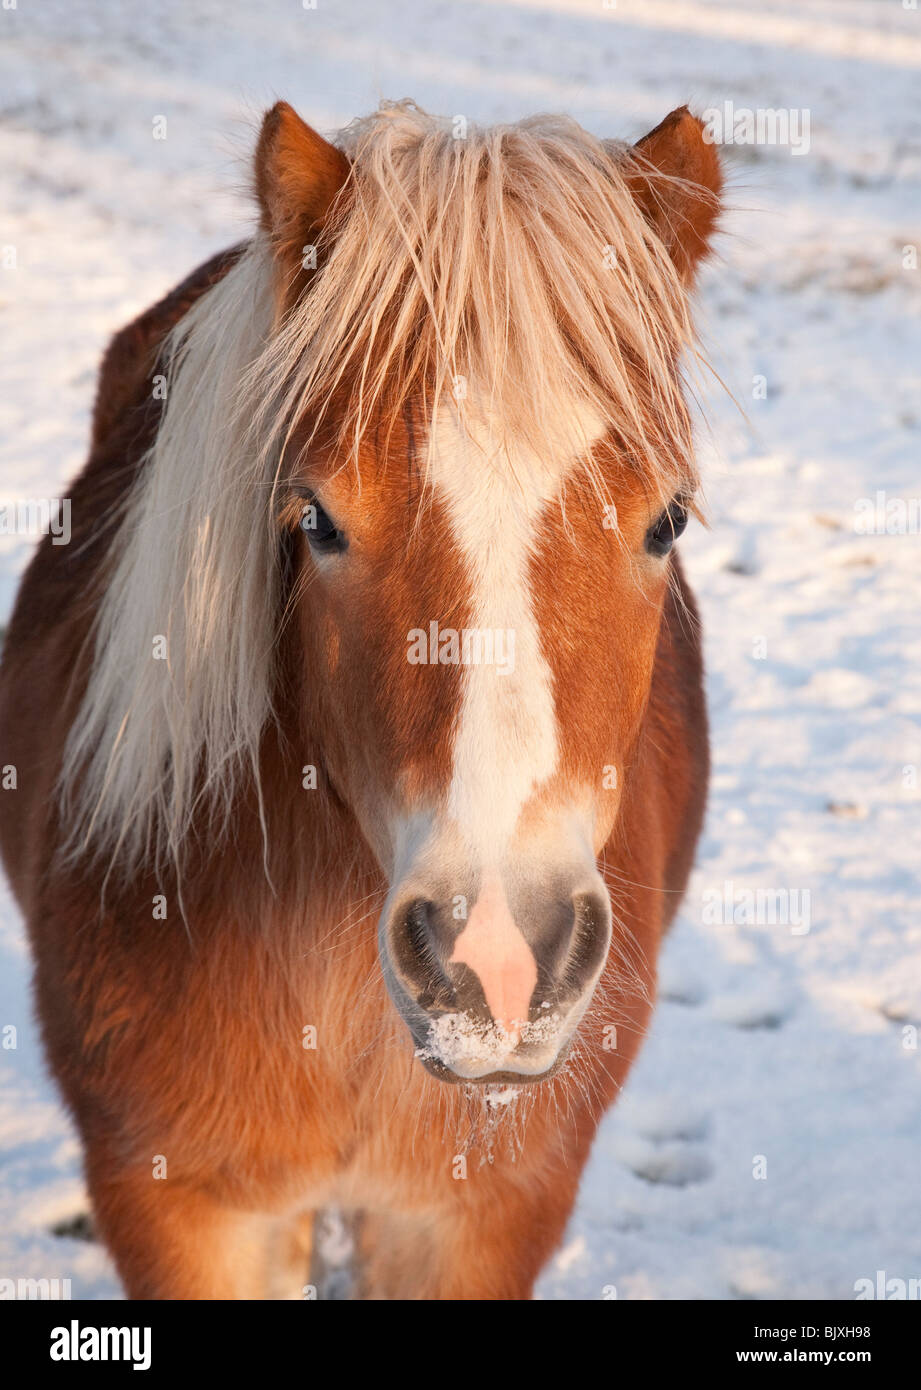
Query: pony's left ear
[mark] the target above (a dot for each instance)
(298, 175)
(676, 178)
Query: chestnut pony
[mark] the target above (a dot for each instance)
(360, 734)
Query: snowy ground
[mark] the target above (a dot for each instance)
(771, 1043)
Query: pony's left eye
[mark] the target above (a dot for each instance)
(663, 533)
(320, 529)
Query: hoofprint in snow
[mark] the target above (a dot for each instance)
(769, 1139)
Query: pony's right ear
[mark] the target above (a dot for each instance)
(298, 175)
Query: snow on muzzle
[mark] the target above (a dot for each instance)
(493, 991)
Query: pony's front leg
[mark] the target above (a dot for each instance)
(172, 1241)
(488, 1245)
(495, 1250)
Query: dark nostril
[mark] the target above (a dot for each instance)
(416, 956)
(589, 941)
(417, 929)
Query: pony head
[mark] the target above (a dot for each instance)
(432, 427)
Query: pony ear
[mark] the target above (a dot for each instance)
(676, 178)
(298, 175)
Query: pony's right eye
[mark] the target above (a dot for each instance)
(320, 530)
(663, 533)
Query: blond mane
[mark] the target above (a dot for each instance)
(491, 269)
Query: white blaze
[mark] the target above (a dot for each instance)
(506, 739)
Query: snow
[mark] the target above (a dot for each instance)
(473, 1046)
(768, 1143)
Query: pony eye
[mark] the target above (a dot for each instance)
(320, 530)
(663, 533)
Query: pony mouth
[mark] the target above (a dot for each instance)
(458, 1047)
(521, 1080)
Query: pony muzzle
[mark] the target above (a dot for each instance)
(496, 993)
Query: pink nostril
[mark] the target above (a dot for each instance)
(493, 946)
